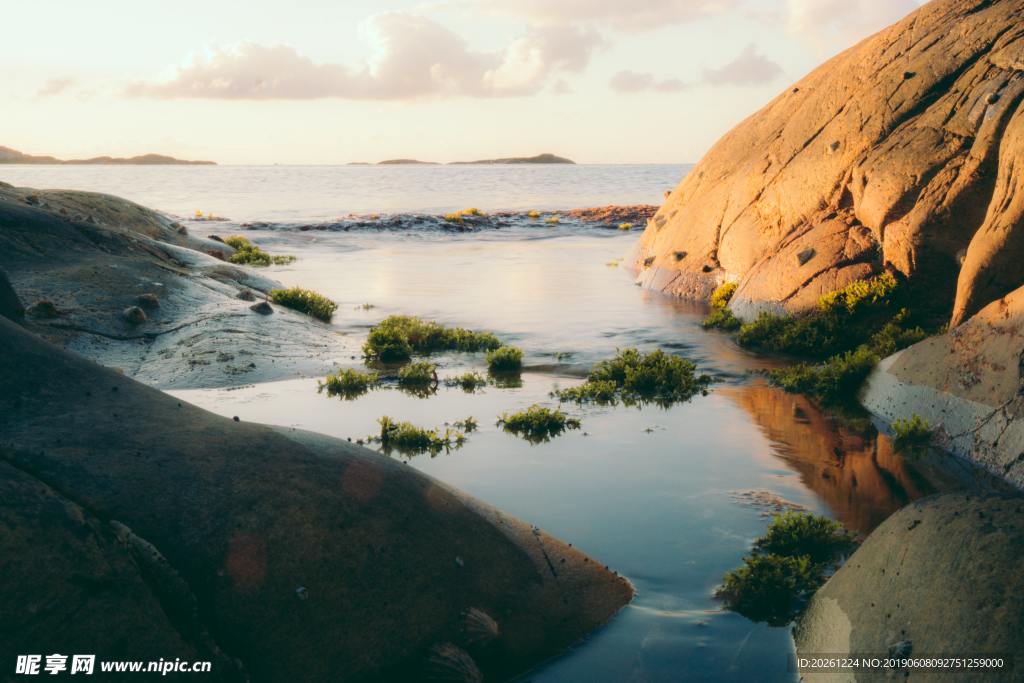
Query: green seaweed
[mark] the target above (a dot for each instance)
(349, 383)
(468, 381)
(786, 566)
(537, 424)
(633, 377)
(247, 253)
(505, 360)
(410, 439)
(305, 301)
(397, 337)
(911, 435)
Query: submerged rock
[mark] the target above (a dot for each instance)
(345, 573)
(940, 578)
(859, 168)
(133, 315)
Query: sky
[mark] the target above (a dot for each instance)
(332, 82)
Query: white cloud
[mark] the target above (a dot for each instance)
(634, 82)
(417, 58)
(626, 15)
(824, 23)
(750, 68)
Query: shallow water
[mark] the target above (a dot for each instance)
(651, 492)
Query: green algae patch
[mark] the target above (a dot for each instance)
(407, 438)
(398, 337)
(786, 566)
(537, 424)
(468, 381)
(845, 336)
(842, 320)
(349, 384)
(305, 301)
(505, 360)
(721, 318)
(633, 377)
(247, 253)
(911, 435)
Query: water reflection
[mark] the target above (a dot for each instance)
(850, 465)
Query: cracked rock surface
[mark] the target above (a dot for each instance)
(905, 152)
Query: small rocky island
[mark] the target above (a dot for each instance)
(538, 159)
(13, 156)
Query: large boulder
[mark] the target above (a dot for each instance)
(902, 153)
(95, 268)
(968, 384)
(940, 578)
(136, 526)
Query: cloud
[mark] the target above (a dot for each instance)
(626, 15)
(418, 58)
(55, 86)
(634, 82)
(823, 23)
(750, 68)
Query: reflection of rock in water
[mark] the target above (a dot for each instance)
(854, 470)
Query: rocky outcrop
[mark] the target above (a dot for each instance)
(902, 153)
(100, 262)
(968, 384)
(138, 527)
(939, 578)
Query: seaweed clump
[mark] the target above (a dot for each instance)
(397, 337)
(305, 301)
(349, 383)
(247, 253)
(537, 424)
(911, 435)
(633, 378)
(721, 318)
(505, 360)
(410, 439)
(468, 382)
(848, 332)
(786, 566)
(419, 379)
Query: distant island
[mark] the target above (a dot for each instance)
(13, 156)
(539, 159)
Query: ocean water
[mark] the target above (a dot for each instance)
(662, 495)
(322, 193)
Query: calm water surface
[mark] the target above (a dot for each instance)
(651, 492)
(288, 193)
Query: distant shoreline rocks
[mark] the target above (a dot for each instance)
(13, 156)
